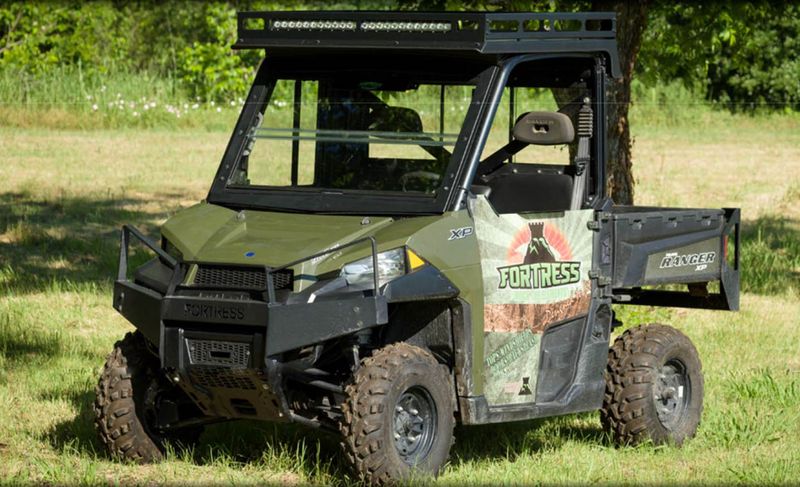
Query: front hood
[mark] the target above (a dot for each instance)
(210, 233)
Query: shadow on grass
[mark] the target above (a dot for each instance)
(286, 448)
(276, 446)
(18, 344)
(510, 440)
(77, 434)
(281, 448)
(66, 240)
(770, 261)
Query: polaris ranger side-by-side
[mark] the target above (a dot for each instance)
(409, 229)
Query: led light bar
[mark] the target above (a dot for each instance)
(340, 25)
(406, 26)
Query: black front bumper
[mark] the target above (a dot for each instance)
(285, 327)
(224, 350)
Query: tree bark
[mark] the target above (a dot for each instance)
(631, 23)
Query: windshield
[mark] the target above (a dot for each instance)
(370, 133)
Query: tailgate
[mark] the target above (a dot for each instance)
(657, 246)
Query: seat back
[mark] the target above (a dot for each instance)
(530, 188)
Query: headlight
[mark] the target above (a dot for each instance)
(391, 265)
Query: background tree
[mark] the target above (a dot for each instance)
(631, 24)
(742, 55)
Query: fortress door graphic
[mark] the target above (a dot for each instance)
(535, 269)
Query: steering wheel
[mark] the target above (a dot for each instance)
(428, 176)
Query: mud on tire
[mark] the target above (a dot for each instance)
(654, 387)
(119, 405)
(398, 415)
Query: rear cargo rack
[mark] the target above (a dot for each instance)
(485, 33)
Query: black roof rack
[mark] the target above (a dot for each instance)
(482, 33)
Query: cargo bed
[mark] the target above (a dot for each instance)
(646, 248)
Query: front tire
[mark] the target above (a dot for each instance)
(654, 387)
(398, 415)
(124, 414)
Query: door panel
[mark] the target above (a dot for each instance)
(535, 270)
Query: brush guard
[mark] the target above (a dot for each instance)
(225, 348)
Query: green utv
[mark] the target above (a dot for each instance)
(409, 229)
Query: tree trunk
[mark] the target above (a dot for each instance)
(631, 23)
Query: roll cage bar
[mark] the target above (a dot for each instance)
(502, 41)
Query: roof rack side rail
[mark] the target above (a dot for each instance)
(430, 30)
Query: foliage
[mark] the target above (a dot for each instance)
(743, 54)
(682, 39)
(188, 41)
(763, 70)
(38, 36)
(211, 70)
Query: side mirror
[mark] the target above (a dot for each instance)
(544, 128)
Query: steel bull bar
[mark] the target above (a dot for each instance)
(224, 347)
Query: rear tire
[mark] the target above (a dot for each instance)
(398, 415)
(654, 387)
(122, 416)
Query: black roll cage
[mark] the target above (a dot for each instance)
(456, 180)
(505, 68)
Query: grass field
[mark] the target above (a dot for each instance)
(64, 193)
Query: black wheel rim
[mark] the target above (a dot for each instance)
(414, 425)
(673, 393)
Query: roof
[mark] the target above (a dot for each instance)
(488, 34)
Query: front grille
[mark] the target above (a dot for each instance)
(282, 279)
(212, 352)
(229, 277)
(221, 377)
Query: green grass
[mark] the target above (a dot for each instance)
(771, 255)
(67, 98)
(64, 98)
(64, 194)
